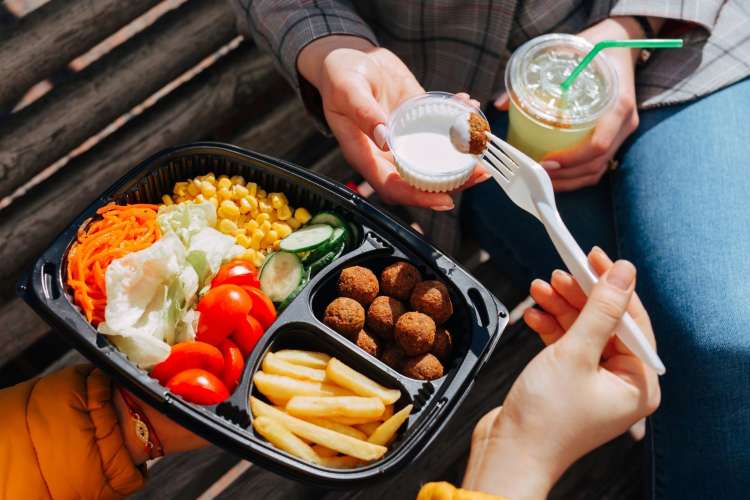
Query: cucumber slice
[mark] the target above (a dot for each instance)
(338, 238)
(306, 239)
(288, 300)
(327, 258)
(328, 218)
(280, 275)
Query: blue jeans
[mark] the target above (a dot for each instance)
(678, 207)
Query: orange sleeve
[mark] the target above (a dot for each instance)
(60, 438)
(446, 491)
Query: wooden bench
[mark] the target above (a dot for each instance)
(119, 82)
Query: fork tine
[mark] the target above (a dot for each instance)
(498, 157)
(516, 156)
(512, 165)
(491, 162)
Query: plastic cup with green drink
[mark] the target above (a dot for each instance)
(542, 116)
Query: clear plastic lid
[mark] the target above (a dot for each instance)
(536, 70)
(430, 114)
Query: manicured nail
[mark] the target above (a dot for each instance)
(601, 253)
(560, 273)
(379, 134)
(550, 165)
(443, 208)
(621, 274)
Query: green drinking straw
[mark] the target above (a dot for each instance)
(650, 43)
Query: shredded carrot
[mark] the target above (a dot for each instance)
(122, 229)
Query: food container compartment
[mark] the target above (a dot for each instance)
(459, 324)
(379, 239)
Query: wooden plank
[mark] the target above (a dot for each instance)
(23, 328)
(186, 475)
(239, 81)
(44, 41)
(41, 133)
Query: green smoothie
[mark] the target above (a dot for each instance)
(543, 118)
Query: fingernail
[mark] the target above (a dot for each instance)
(379, 134)
(443, 207)
(560, 273)
(550, 165)
(621, 275)
(597, 250)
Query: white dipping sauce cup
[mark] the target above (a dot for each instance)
(431, 163)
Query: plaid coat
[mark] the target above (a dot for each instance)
(455, 45)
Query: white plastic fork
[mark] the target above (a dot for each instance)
(527, 184)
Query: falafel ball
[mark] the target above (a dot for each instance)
(368, 343)
(432, 298)
(443, 346)
(393, 356)
(415, 333)
(358, 283)
(423, 367)
(383, 314)
(345, 315)
(398, 280)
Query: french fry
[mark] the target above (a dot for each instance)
(317, 360)
(344, 462)
(347, 430)
(369, 427)
(388, 413)
(354, 420)
(387, 430)
(359, 384)
(284, 439)
(277, 366)
(342, 443)
(337, 406)
(281, 388)
(324, 452)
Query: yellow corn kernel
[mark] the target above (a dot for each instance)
(276, 245)
(208, 190)
(228, 209)
(226, 226)
(284, 213)
(256, 238)
(210, 177)
(180, 188)
(239, 191)
(258, 259)
(194, 189)
(278, 200)
(251, 225)
(265, 226)
(237, 180)
(261, 218)
(294, 223)
(239, 231)
(243, 240)
(282, 229)
(302, 215)
(244, 206)
(167, 200)
(224, 183)
(264, 206)
(224, 194)
(214, 201)
(253, 201)
(261, 193)
(252, 188)
(200, 199)
(272, 216)
(270, 237)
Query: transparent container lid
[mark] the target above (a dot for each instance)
(538, 67)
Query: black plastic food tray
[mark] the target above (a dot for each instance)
(477, 323)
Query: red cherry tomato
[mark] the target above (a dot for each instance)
(198, 386)
(263, 309)
(222, 308)
(234, 363)
(237, 272)
(187, 355)
(247, 334)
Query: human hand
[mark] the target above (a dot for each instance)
(173, 437)
(584, 389)
(586, 163)
(359, 85)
